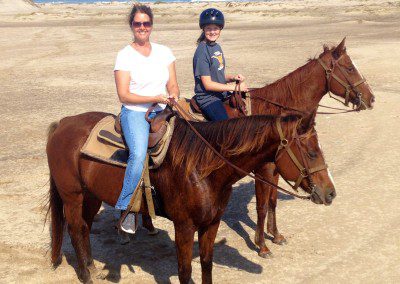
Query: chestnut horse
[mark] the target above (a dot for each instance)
(302, 90)
(193, 183)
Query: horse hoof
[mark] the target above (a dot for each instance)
(267, 254)
(153, 233)
(279, 240)
(86, 279)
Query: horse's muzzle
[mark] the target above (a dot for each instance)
(326, 197)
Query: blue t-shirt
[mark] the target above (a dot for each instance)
(208, 60)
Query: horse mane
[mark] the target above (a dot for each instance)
(284, 90)
(229, 137)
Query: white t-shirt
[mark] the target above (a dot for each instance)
(149, 75)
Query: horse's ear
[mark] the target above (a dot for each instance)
(340, 49)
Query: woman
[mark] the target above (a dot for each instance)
(144, 74)
(211, 82)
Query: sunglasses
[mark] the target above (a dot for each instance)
(139, 24)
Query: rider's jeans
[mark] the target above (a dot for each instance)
(215, 111)
(136, 132)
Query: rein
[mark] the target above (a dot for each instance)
(329, 73)
(279, 105)
(257, 177)
(305, 112)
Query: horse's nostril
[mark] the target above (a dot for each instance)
(329, 198)
(372, 100)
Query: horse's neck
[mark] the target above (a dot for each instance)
(305, 96)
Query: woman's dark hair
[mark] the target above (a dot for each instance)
(201, 37)
(139, 8)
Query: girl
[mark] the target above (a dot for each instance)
(211, 87)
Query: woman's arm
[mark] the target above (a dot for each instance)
(122, 79)
(212, 86)
(172, 84)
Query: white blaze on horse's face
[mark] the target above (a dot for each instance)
(367, 96)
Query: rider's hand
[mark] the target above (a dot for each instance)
(173, 96)
(239, 77)
(243, 87)
(163, 99)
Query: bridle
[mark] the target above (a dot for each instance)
(305, 171)
(183, 114)
(329, 74)
(349, 86)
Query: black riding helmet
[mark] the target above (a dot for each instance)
(211, 16)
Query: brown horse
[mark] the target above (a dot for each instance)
(193, 183)
(303, 89)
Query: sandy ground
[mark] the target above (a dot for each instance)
(58, 61)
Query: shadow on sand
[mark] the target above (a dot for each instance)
(153, 254)
(237, 213)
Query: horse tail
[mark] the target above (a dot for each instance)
(56, 209)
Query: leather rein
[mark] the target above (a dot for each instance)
(329, 74)
(284, 144)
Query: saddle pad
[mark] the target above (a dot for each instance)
(106, 145)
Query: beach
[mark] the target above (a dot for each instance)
(57, 61)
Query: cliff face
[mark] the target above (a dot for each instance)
(17, 6)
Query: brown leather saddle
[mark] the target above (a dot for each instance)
(158, 125)
(235, 105)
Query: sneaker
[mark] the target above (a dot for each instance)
(129, 224)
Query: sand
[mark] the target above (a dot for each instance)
(17, 6)
(58, 60)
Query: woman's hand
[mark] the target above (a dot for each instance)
(174, 96)
(239, 77)
(162, 99)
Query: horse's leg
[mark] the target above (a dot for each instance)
(273, 200)
(148, 224)
(263, 192)
(206, 243)
(79, 232)
(91, 206)
(184, 238)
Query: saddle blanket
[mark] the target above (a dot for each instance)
(106, 145)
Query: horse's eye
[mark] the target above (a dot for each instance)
(350, 69)
(312, 155)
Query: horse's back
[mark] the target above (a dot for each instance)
(67, 138)
(85, 120)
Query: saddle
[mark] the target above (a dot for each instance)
(106, 143)
(158, 126)
(237, 105)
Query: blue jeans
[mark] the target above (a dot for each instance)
(215, 111)
(136, 132)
